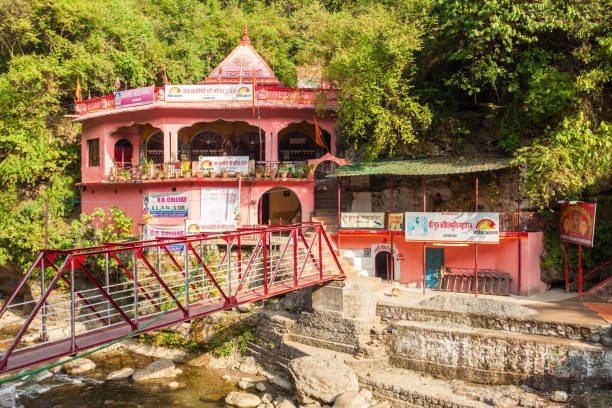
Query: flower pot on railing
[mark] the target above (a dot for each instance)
(212, 174)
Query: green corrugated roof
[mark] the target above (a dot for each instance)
(433, 166)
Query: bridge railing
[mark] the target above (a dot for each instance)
(73, 300)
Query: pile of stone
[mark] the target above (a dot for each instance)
(317, 382)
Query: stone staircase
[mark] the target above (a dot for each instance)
(602, 292)
(328, 218)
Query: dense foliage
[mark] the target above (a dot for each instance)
(521, 78)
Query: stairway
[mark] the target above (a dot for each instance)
(602, 292)
(328, 218)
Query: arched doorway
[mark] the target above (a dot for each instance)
(326, 188)
(382, 265)
(123, 153)
(279, 205)
(155, 148)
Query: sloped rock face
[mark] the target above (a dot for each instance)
(321, 380)
(157, 369)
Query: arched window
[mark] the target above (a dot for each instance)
(123, 153)
(248, 145)
(207, 143)
(298, 146)
(155, 148)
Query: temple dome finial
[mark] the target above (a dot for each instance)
(245, 35)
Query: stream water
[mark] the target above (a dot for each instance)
(199, 387)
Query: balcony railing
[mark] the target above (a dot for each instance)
(172, 170)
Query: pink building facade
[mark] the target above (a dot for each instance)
(152, 141)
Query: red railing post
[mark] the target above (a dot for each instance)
(295, 256)
(43, 310)
(319, 229)
(72, 310)
(265, 262)
(579, 273)
(567, 285)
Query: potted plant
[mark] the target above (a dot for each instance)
(187, 174)
(283, 170)
(124, 175)
(212, 174)
(306, 170)
(223, 172)
(238, 217)
(146, 217)
(157, 174)
(199, 174)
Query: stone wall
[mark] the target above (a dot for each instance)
(490, 357)
(573, 331)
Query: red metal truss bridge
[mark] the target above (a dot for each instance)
(73, 300)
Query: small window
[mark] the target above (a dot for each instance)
(93, 149)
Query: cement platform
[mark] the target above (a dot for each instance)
(554, 305)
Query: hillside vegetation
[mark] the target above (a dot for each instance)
(501, 77)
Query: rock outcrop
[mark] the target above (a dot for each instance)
(321, 380)
(157, 369)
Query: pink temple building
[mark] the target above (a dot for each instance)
(162, 153)
(239, 118)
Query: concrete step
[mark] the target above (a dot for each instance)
(588, 332)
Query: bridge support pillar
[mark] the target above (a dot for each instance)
(354, 298)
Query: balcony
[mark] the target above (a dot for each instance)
(260, 170)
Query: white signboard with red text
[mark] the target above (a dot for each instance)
(165, 231)
(452, 227)
(209, 93)
(357, 220)
(218, 210)
(231, 164)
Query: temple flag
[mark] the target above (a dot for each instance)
(318, 136)
(77, 91)
(253, 91)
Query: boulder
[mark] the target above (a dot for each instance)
(559, 396)
(122, 374)
(8, 396)
(79, 366)
(350, 399)
(383, 404)
(173, 385)
(157, 369)
(317, 379)
(245, 384)
(366, 394)
(242, 399)
(280, 382)
(267, 398)
(285, 403)
(261, 387)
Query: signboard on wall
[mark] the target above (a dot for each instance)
(578, 222)
(452, 227)
(165, 231)
(134, 97)
(167, 204)
(219, 208)
(209, 93)
(357, 220)
(232, 164)
(396, 221)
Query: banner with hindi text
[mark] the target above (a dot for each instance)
(452, 227)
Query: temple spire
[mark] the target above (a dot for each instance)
(245, 35)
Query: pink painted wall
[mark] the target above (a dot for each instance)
(503, 257)
(130, 197)
(170, 119)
